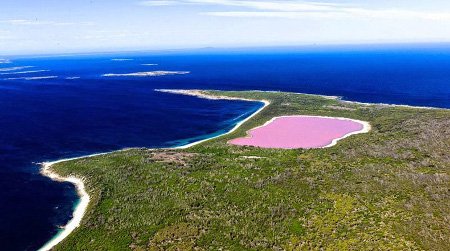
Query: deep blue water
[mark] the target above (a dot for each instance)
(49, 119)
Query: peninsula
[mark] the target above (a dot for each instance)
(384, 189)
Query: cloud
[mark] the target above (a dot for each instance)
(26, 22)
(258, 5)
(6, 35)
(392, 14)
(302, 9)
(159, 3)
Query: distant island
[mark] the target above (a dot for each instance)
(383, 189)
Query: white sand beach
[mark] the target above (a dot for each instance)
(82, 206)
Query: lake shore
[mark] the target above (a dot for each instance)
(250, 134)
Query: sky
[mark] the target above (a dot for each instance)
(66, 26)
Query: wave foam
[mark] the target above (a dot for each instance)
(16, 68)
(22, 72)
(146, 74)
(122, 59)
(33, 78)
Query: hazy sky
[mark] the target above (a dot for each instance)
(53, 26)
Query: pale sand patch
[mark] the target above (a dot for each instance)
(253, 157)
(342, 108)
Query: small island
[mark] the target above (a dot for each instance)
(384, 189)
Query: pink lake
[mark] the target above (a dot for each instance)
(291, 132)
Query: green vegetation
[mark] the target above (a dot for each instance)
(385, 190)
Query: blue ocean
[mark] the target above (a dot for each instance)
(54, 107)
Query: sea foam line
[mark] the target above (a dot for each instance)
(33, 78)
(16, 68)
(81, 208)
(146, 74)
(122, 59)
(23, 72)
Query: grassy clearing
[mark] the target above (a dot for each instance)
(385, 190)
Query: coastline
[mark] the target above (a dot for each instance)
(80, 209)
(366, 128)
(82, 206)
(202, 94)
(199, 93)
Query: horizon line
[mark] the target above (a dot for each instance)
(220, 48)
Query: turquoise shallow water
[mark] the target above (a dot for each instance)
(79, 112)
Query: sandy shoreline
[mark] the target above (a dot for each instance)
(200, 93)
(80, 209)
(82, 206)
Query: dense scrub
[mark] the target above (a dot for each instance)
(385, 190)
